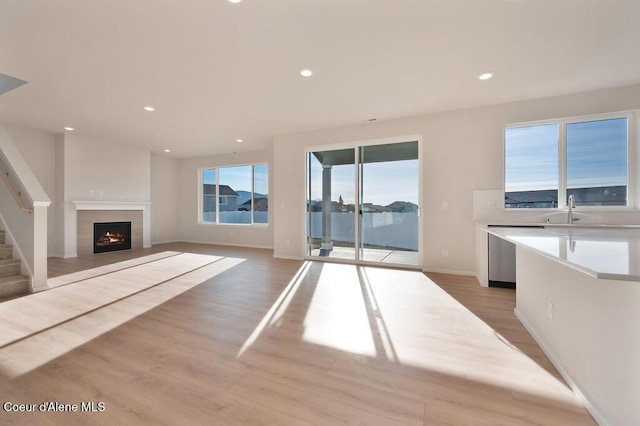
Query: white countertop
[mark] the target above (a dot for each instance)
(606, 252)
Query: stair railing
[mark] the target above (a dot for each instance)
(17, 195)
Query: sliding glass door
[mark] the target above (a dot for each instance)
(389, 203)
(362, 204)
(331, 201)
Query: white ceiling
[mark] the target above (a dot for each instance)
(218, 71)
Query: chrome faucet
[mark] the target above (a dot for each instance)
(572, 205)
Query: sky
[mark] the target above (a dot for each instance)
(239, 177)
(596, 155)
(383, 183)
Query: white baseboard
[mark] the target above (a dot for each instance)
(279, 256)
(482, 281)
(450, 271)
(224, 244)
(163, 242)
(39, 289)
(582, 396)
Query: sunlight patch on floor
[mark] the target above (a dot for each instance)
(337, 316)
(278, 309)
(401, 316)
(106, 269)
(414, 327)
(34, 349)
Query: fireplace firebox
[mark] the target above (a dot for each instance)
(111, 236)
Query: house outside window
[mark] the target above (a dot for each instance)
(235, 195)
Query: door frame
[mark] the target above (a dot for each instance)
(355, 145)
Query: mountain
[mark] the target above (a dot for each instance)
(403, 207)
(244, 196)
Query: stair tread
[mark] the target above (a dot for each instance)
(11, 279)
(12, 284)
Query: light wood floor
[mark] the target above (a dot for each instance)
(248, 339)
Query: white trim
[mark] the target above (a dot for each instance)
(201, 194)
(356, 145)
(633, 162)
(574, 118)
(480, 280)
(111, 205)
(120, 205)
(164, 242)
(225, 244)
(219, 196)
(279, 256)
(449, 271)
(365, 142)
(239, 225)
(562, 166)
(588, 403)
(365, 263)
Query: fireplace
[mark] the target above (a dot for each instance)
(111, 236)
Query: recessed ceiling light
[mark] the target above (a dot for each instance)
(235, 1)
(69, 129)
(167, 150)
(485, 76)
(306, 72)
(239, 140)
(149, 108)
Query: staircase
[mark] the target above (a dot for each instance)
(12, 284)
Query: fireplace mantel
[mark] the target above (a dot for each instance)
(111, 205)
(106, 206)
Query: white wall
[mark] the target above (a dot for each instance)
(462, 151)
(38, 150)
(100, 171)
(164, 196)
(242, 235)
(592, 336)
(112, 171)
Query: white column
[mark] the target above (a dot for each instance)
(326, 245)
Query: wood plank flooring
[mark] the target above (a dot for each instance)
(249, 339)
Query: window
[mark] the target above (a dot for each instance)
(209, 194)
(236, 194)
(531, 166)
(587, 158)
(597, 162)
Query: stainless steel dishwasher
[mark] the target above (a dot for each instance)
(502, 263)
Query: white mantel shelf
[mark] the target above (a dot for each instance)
(111, 205)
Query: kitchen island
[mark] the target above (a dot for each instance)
(578, 294)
